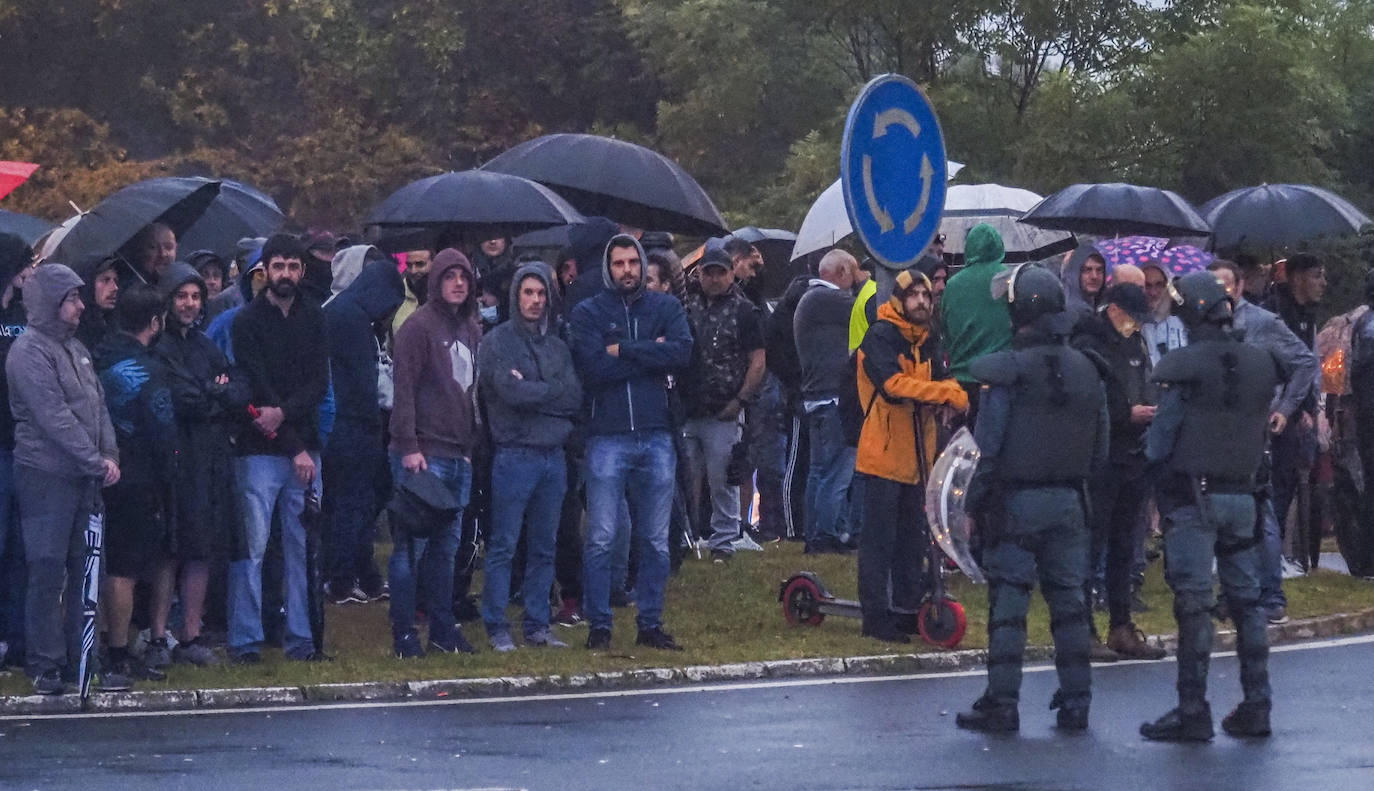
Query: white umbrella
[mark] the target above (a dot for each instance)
(967, 205)
(827, 222)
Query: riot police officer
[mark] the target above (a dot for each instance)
(1042, 429)
(1204, 448)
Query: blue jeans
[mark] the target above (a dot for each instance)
(428, 560)
(527, 490)
(267, 483)
(638, 469)
(827, 484)
(1271, 558)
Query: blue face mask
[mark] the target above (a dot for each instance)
(490, 314)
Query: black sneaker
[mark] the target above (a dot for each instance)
(1247, 719)
(904, 622)
(657, 638)
(1179, 726)
(344, 594)
(720, 557)
(311, 656)
(138, 671)
(49, 683)
(465, 610)
(887, 633)
(247, 658)
(408, 647)
(599, 640)
(113, 681)
(989, 716)
(458, 645)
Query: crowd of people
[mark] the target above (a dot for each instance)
(581, 424)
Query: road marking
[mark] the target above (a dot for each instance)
(1042, 667)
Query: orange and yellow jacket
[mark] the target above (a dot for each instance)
(896, 355)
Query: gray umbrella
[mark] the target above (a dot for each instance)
(1278, 215)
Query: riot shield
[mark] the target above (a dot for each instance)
(945, 490)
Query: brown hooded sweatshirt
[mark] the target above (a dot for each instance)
(436, 371)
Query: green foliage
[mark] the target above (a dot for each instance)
(328, 104)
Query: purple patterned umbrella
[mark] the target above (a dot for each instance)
(1137, 250)
(1184, 259)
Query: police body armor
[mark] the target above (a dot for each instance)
(1056, 398)
(1229, 388)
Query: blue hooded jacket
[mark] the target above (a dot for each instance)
(626, 393)
(350, 318)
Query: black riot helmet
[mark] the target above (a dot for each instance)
(1032, 292)
(1200, 298)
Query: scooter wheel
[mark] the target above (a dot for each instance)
(801, 602)
(942, 622)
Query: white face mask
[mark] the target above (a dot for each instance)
(490, 314)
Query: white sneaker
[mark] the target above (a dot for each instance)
(1290, 569)
(745, 543)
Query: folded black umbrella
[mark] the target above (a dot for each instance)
(30, 229)
(611, 178)
(103, 230)
(1278, 215)
(1116, 210)
(421, 504)
(474, 201)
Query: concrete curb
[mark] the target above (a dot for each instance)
(376, 691)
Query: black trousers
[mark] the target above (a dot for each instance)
(890, 549)
(1117, 495)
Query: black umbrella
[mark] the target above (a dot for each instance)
(1277, 215)
(1116, 210)
(103, 230)
(774, 243)
(612, 178)
(473, 201)
(30, 229)
(238, 211)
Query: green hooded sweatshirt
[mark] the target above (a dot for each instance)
(975, 323)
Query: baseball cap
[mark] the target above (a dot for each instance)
(1130, 298)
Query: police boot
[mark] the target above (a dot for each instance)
(1181, 726)
(1129, 642)
(1247, 719)
(989, 716)
(1069, 717)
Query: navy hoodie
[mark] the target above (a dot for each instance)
(350, 318)
(627, 393)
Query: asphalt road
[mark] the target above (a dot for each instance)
(857, 733)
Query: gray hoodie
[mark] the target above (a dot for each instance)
(61, 423)
(537, 407)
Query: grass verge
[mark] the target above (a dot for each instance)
(718, 613)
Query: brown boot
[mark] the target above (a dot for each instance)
(1101, 653)
(1129, 642)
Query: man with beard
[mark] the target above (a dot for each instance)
(208, 404)
(903, 388)
(140, 508)
(416, 277)
(279, 343)
(624, 341)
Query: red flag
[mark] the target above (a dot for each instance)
(12, 174)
